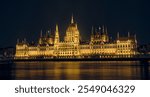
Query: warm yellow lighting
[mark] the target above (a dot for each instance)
(99, 46)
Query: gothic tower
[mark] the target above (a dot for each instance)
(92, 35)
(56, 40)
(40, 39)
(104, 37)
(72, 32)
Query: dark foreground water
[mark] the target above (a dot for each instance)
(110, 70)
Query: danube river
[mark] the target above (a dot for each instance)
(76, 70)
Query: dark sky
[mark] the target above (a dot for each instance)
(25, 18)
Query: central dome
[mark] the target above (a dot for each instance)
(72, 32)
(72, 26)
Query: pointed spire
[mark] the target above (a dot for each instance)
(135, 36)
(56, 27)
(76, 26)
(72, 20)
(92, 31)
(56, 35)
(103, 29)
(106, 31)
(41, 34)
(118, 35)
(128, 34)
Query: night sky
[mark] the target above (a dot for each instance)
(25, 18)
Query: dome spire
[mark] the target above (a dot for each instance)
(118, 35)
(72, 20)
(41, 33)
(128, 34)
(56, 27)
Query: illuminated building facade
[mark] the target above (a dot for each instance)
(99, 46)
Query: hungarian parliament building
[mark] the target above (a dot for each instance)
(100, 45)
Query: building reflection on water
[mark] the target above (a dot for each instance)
(110, 70)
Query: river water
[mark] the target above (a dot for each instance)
(79, 70)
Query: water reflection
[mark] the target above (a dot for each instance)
(81, 70)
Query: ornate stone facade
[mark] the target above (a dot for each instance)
(99, 45)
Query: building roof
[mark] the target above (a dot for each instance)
(126, 38)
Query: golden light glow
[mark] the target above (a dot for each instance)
(99, 45)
